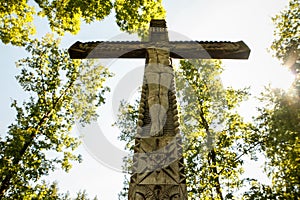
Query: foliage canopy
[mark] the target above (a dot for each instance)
(277, 126)
(60, 91)
(287, 34)
(17, 16)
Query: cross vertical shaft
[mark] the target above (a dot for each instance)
(158, 171)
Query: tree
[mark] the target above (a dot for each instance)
(17, 24)
(212, 129)
(286, 43)
(138, 14)
(278, 125)
(127, 123)
(60, 92)
(277, 134)
(213, 153)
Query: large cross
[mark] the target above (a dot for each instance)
(158, 171)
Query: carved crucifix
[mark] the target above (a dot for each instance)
(158, 172)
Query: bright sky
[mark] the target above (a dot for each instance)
(232, 20)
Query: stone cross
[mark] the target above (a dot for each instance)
(158, 170)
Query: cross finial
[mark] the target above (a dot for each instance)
(158, 23)
(158, 31)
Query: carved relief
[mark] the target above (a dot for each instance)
(158, 171)
(159, 75)
(159, 192)
(158, 160)
(178, 49)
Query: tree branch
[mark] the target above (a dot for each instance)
(6, 182)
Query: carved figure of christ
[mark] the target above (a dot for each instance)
(159, 74)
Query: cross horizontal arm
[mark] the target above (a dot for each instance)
(178, 49)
